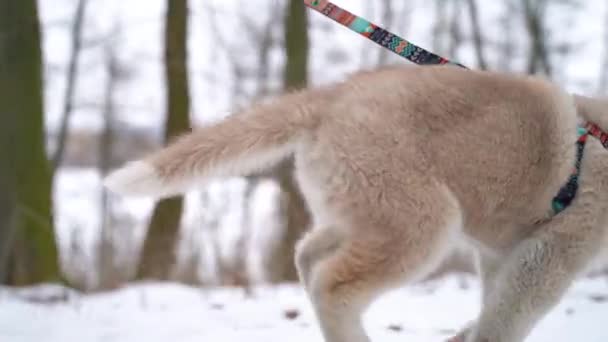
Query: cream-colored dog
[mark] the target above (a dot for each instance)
(400, 165)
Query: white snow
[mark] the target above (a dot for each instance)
(152, 312)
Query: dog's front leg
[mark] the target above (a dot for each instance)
(540, 269)
(487, 267)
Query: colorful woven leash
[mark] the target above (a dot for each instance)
(377, 34)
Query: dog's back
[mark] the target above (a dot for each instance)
(490, 138)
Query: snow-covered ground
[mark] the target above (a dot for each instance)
(430, 311)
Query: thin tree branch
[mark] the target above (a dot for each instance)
(237, 69)
(266, 42)
(506, 45)
(107, 267)
(439, 27)
(455, 31)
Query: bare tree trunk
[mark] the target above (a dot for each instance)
(296, 215)
(603, 82)
(8, 178)
(265, 46)
(440, 27)
(108, 270)
(106, 136)
(33, 256)
(265, 43)
(534, 13)
(455, 31)
(295, 75)
(252, 184)
(477, 34)
(187, 270)
(68, 99)
(507, 43)
(158, 255)
(296, 220)
(238, 72)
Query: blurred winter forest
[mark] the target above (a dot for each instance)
(86, 85)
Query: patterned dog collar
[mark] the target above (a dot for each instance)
(567, 193)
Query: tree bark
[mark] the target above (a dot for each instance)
(507, 45)
(33, 254)
(296, 46)
(8, 178)
(454, 30)
(603, 81)
(534, 13)
(477, 34)
(68, 100)
(110, 272)
(296, 216)
(440, 26)
(158, 254)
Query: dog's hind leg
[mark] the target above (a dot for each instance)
(369, 260)
(315, 246)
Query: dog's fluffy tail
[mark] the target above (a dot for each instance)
(243, 143)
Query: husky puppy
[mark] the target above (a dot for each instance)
(401, 164)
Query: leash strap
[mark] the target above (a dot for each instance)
(378, 34)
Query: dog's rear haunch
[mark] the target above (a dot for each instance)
(400, 165)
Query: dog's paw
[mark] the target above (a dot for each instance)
(464, 333)
(456, 338)
(461, 337)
